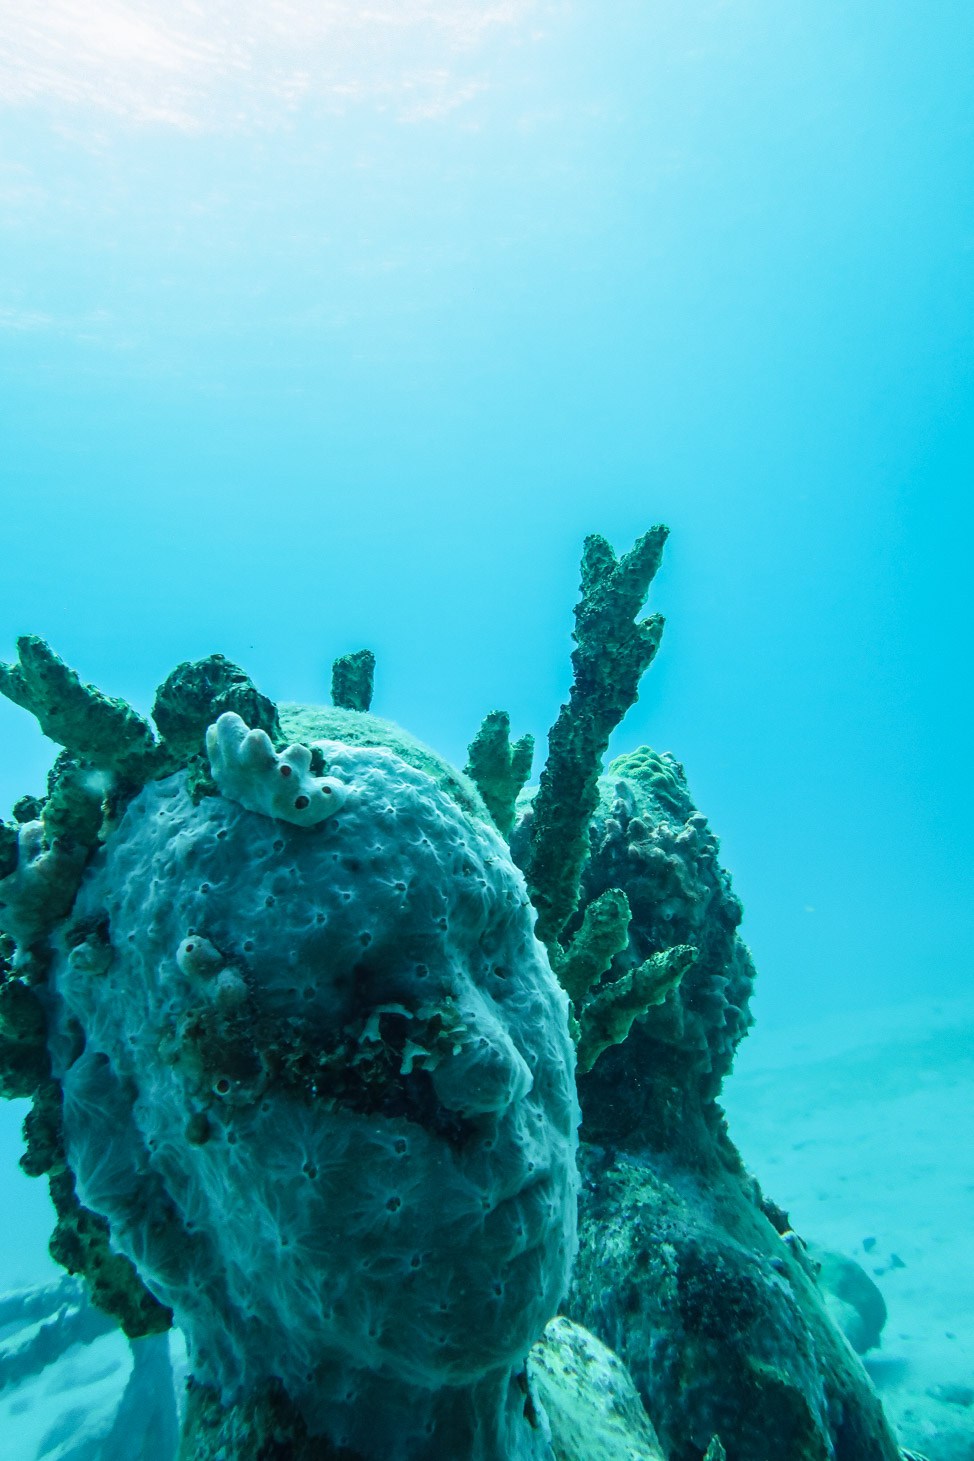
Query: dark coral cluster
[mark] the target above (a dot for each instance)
(648, 839)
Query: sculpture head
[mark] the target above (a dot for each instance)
(320, 1082)
(313, 1065)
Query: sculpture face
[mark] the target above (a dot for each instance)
(325, 1096)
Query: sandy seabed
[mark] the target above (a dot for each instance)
(862, 1128)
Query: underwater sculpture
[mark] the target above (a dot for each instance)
(303, 1072)
(684, 1268)
(44, 1329)
(316, 1077)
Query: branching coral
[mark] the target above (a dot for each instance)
(106, 732)
(605, 1009)
(612, 651)
(499, 768)
(608, 1016)
(603, 933)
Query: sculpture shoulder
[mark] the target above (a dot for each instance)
(592, 1405)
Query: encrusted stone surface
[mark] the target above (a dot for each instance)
(722, 1330)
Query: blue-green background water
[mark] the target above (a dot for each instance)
(323, 327)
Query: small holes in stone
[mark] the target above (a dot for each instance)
(279, 844)
(249, 946)
(394, 1204)
(285, 770)
(269, 901)
(300, 802)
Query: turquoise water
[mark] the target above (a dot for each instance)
(322, 328)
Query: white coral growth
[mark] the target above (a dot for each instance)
(248, 770)
(197, 955)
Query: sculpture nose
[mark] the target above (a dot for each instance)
(488, 1073)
